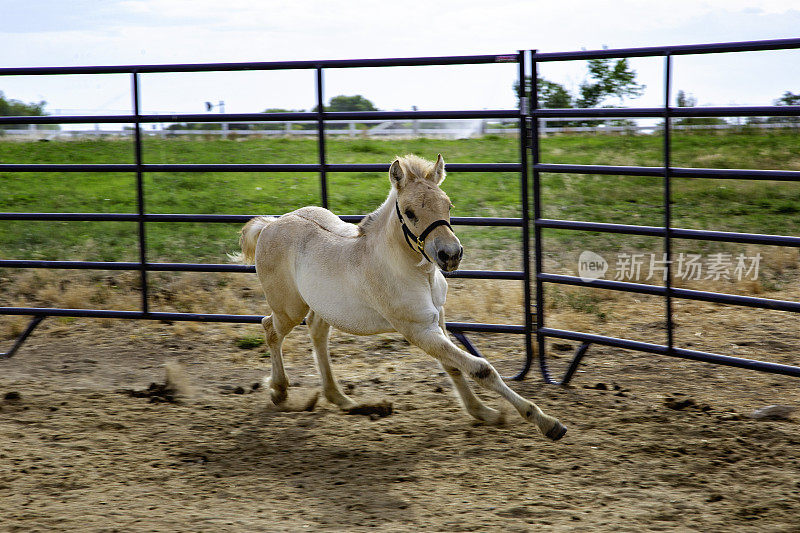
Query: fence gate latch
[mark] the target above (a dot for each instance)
(523, 105)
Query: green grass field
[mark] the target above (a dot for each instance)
(730, 205)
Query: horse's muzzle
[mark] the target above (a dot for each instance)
(449, 257)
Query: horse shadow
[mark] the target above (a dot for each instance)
(339, 477)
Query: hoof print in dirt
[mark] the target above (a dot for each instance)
(230, 389)
(686, 404)
(372, 410)
(157, 392)
(618, 390)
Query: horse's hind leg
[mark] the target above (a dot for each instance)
(319, 331)
(276, 327)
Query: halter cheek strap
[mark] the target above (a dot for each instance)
(418, 243)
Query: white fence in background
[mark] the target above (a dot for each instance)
(442, 129)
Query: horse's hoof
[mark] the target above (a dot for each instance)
(278, 397)
(556, 432)
(492, 417)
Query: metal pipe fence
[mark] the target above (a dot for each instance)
(667, 232)
(321, 118)
(531, 224)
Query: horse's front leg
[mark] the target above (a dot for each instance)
(471, 403)
(431, 339)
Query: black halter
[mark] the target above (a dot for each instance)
(412, 239)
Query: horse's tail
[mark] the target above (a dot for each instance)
(249, 238)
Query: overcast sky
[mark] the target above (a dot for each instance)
(91, 32)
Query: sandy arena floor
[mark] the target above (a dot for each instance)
(654, 444)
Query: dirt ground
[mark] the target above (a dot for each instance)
(654, 444)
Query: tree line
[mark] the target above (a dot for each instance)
(337, 103)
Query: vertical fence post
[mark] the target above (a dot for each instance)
(668, 201)
(522, 94)
(537, 215)
(137, 150)
(321, 139)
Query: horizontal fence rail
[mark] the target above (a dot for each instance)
(677, 233)
(659, 349)
(244, 167)
(686, 294)
(667, 233)
(211, 267)
(328, 116)
(209, 317)
(264, 65)
(676, 172)
(688, 49)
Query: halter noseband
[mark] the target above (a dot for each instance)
(412, 239)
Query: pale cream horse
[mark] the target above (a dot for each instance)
(382, 275)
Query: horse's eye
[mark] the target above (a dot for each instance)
(410, 214)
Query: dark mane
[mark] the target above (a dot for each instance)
(366, 222)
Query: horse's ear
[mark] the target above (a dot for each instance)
(397, 175)
(438, 170)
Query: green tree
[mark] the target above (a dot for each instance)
(551, 95)
(16, 108)
(684, 100)
(350, 103)
(608, 79)
(687, 100)
(788, 98)
(279, 125)
(199, 126)
(346, 103)
(605, 79)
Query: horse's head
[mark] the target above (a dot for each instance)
(424, 210)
